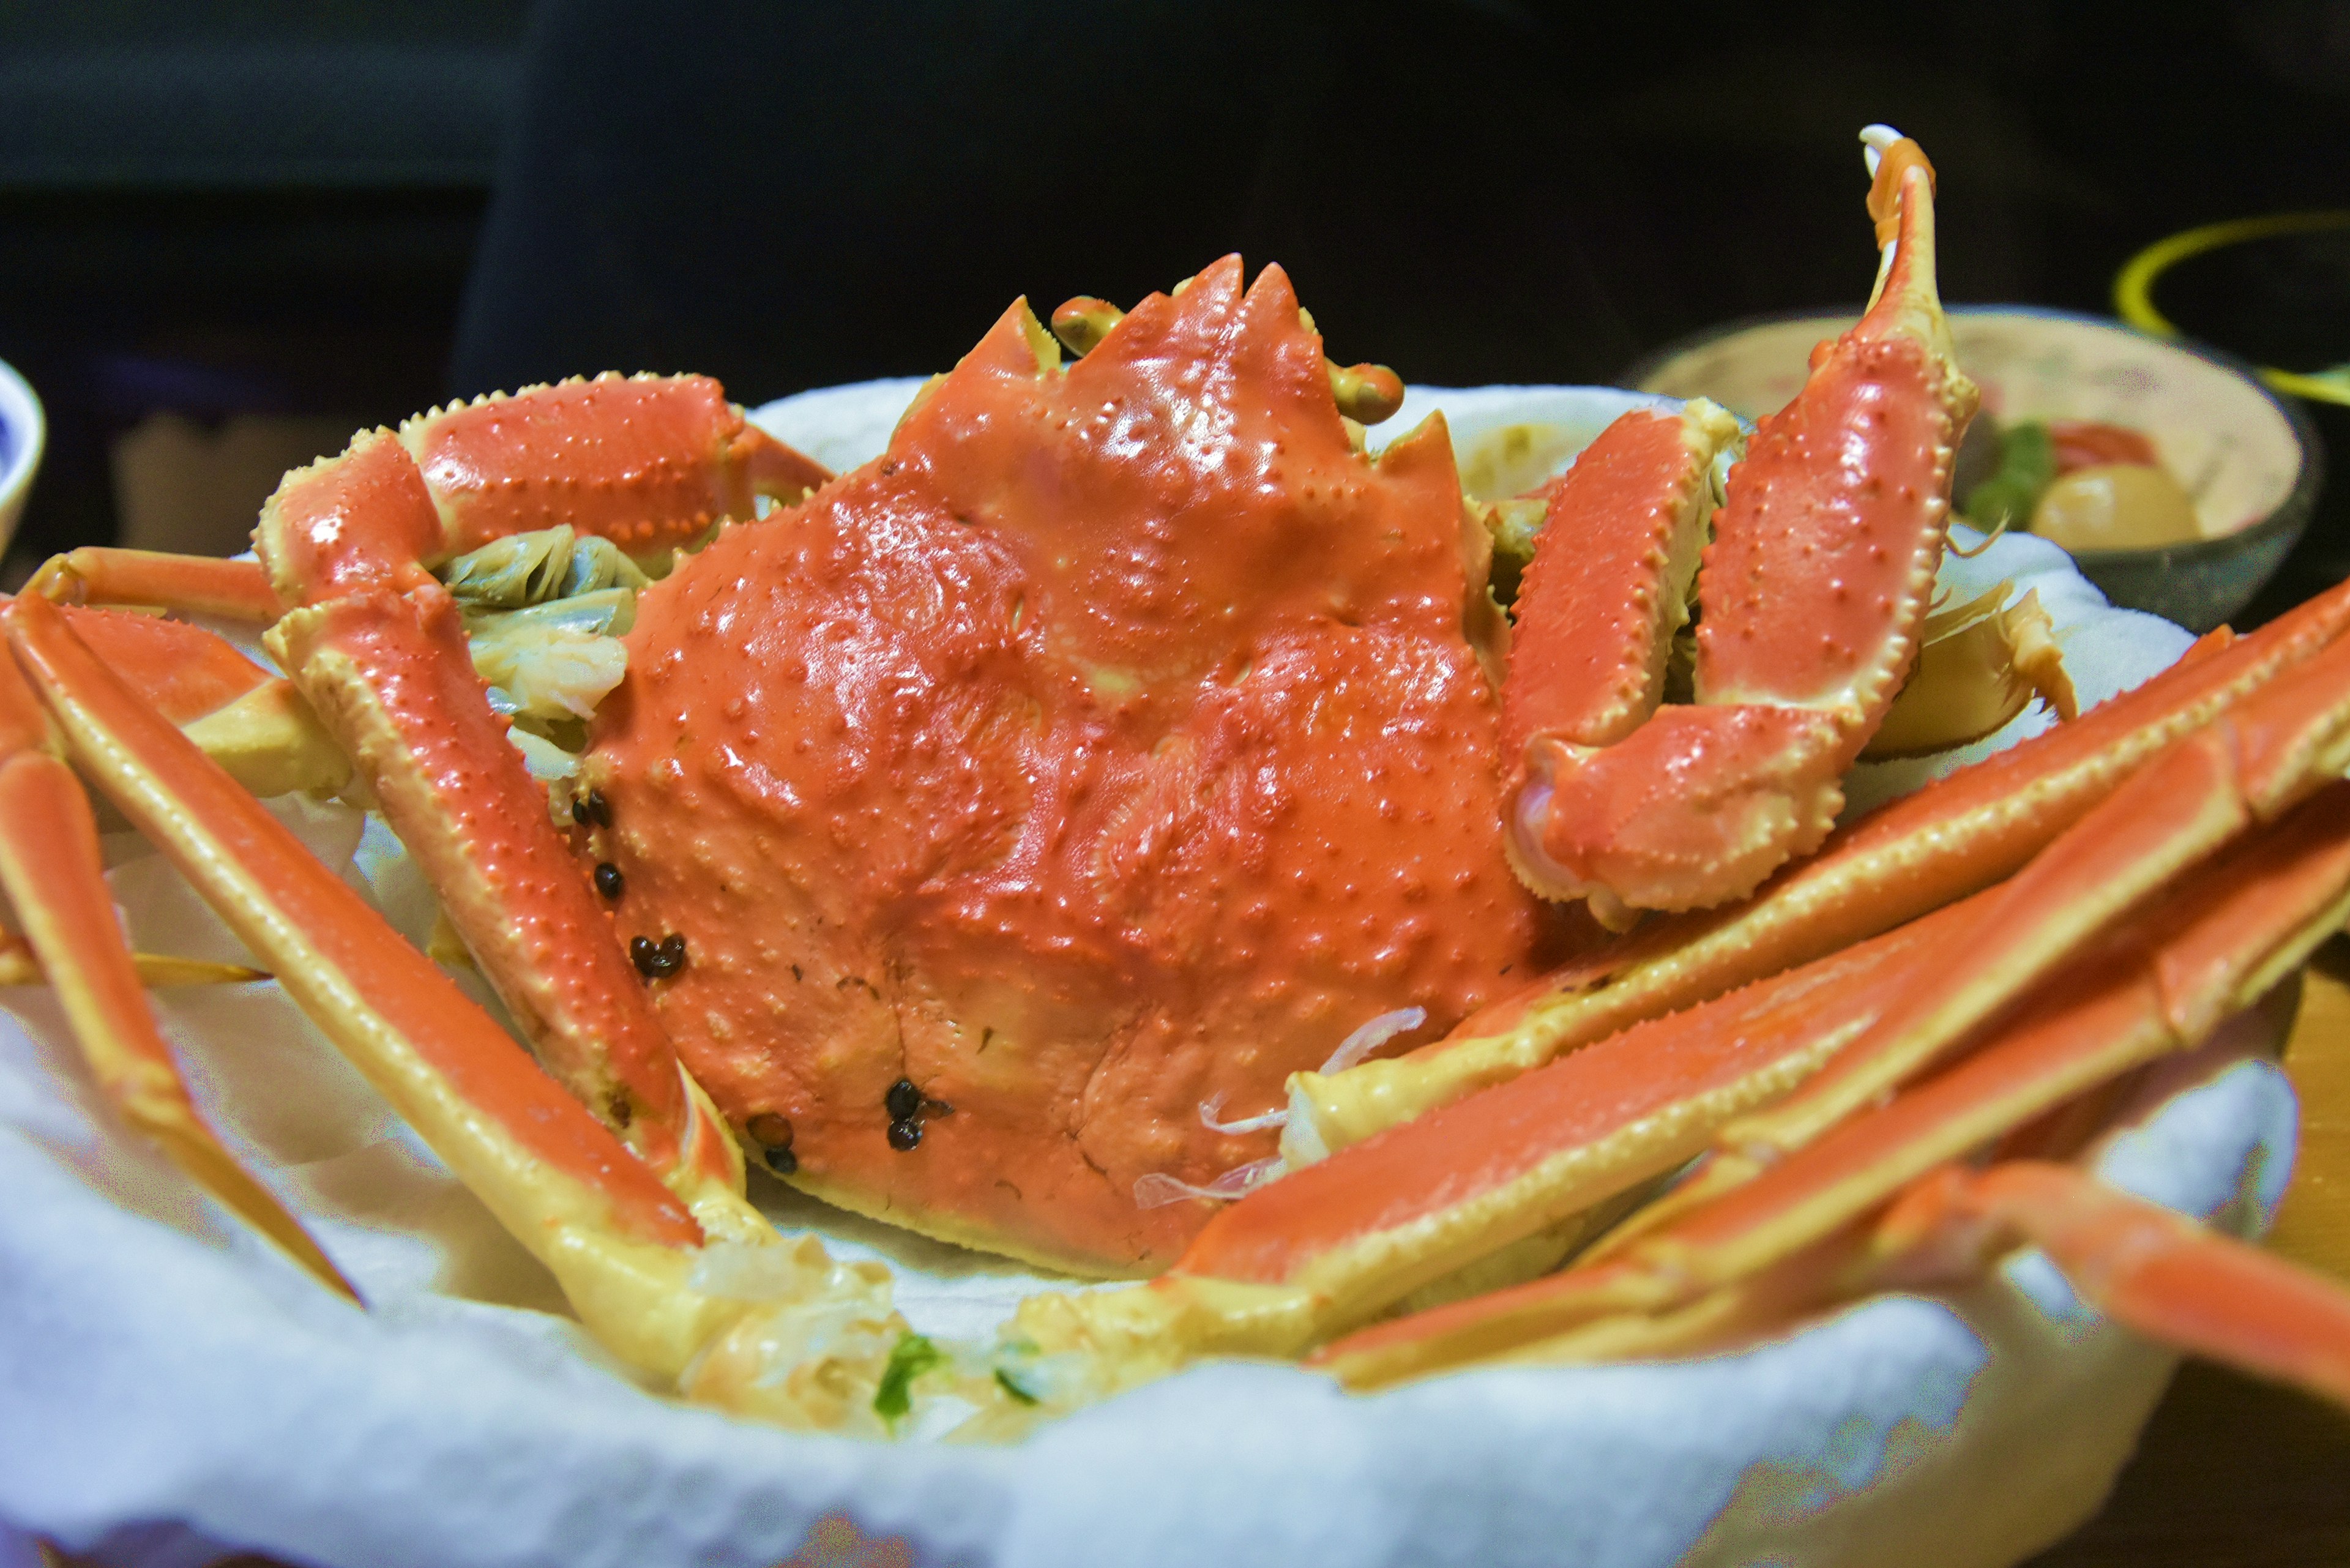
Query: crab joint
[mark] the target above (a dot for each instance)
(1084, 322)
(1366, 393)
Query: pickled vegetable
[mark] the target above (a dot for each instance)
(2116, 506)
(2093, 443)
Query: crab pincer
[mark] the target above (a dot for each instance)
(1820, 570)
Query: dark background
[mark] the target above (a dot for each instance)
(350, 209)
(343, 210)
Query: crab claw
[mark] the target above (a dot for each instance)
(1818, 576)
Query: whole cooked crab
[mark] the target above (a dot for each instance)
(964, 831)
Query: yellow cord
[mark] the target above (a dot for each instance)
(2133, 288)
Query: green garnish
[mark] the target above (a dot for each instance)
(1003, 1380)
(911, 1356)
(2027, 467)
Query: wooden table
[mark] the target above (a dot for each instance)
(2231, 1471)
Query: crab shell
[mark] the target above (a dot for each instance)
(1119, 742)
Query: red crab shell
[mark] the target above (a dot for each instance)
(1118, 740)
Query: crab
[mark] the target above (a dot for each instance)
(962, 849)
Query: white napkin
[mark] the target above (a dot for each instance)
(170, 1389)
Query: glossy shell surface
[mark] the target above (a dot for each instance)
(1117, 742)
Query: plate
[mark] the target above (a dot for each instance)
(169, 1387)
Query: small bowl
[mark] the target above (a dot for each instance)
(2250, 461)
(23, 430)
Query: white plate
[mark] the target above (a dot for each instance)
(168, 1385)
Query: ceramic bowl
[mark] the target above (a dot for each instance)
(23, 430)
(2250, 458)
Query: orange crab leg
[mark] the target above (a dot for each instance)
(1332, 1244)
(1367, 1226)
(2170, 1279)
(1820, 571)
(200, 585)
(619, 1240)
(51, 870)
(2250, 765)
(2222, 937)
(20, 965)
(252, 723)
(1958, 835)
(476, 823)
(377, 645)
(648, 463)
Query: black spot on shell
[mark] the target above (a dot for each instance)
(657, 960)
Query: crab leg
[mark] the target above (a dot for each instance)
(1361, 1230)
(1332, 1245)
(2162, 1274)
(2251, 765)
(200, 584)
(1958, 835)
(628, 1251)
(250, 722)
(2215, 942)
(377, 645)
(1819, 574)
(243, 718)
(620, 1243)
(20, 965)
(50, 869)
